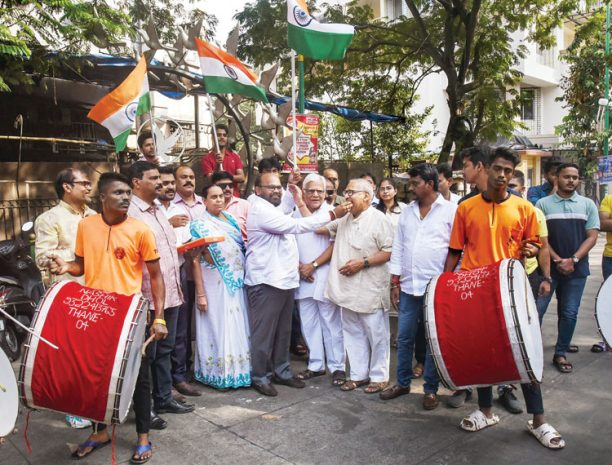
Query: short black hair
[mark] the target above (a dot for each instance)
(205, 190)
(427, 172)
(108, 178)
(552, 165)
(368, 174)
(64, 177)
(563, 166)
(138, 169)
(518, 174)
(258, 179)
(445, 170)
(268, 164)
(220, 175)
(166, 169)
(506, 154)
(476, 154)
(222, 126)
(144, 135)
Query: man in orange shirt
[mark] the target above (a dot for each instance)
(489, 227)
(111, 250)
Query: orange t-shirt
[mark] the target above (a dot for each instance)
(114, 255)
(488, 232)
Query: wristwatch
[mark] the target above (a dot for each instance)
(315, 265)
(366, 263)
(575, 259)
(548, 279)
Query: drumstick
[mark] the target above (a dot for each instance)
(38, 336)
(147, 342)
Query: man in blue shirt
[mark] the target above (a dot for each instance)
(573, 225)
(536, 193)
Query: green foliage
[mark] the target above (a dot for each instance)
(468, 41)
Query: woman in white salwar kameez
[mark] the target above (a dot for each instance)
(223, 358)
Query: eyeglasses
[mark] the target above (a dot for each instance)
(85, 184)
(332, 179)
(226, 185)
(273, 188)
(349, 192)
(314, 191)
(330, 192)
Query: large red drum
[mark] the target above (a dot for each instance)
(99, 335)
(483, 327)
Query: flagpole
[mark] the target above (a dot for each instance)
(293, 105)
(214, 126)
(300, 59)
(151, 122)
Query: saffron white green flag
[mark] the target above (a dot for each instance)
(225, 74)
(118, 110)
(319, 41)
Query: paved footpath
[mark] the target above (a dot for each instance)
(321, 425)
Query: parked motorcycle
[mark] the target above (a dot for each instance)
(21, 287)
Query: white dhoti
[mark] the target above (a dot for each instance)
(366, 338)
(322, 329)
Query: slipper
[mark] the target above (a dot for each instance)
(307, 374)
(563, 367)
(573, 349)
(478, 421)
(373, 388)
(95, 445)
(545, 433)
(140, 449)
(599, 347)
(351, 385)
(417, 371)
(338, 378)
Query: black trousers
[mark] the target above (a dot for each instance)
(161, 360)
(181, 354)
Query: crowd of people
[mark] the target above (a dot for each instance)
(342, 261)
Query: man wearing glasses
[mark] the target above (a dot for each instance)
(332, 175)
(239, 208)
(272, 276)
(56, 232)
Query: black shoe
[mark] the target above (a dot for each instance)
(174, 407)
(265, 389)
(394, 391)
(187, 389)
(291, 382)
(157, 422)
(509, 400)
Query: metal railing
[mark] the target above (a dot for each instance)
(14, 213)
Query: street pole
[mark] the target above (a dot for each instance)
(300, 59)
(607, 81)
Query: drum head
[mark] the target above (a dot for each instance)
(522, 321)
(9, 398)
(603, 310)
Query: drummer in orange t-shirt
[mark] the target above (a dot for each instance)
(490, 227)
(111, 250)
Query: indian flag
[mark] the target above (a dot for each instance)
(118, 110)
(319, 41)
(225, 74)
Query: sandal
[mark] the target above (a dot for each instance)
(417, 371)
(573, 349)
(599, 347)
(373, 388)
(562, 366)
(307, 374)
(545, 433)
(351, 385)
(477, 420)
(95, 445)
(338, 378)
(140, 451)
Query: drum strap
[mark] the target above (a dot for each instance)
(25, 432)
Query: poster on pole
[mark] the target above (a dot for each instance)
(604, 170)
(305, 153)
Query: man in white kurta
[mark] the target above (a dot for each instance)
(321, 321)
(358, 282)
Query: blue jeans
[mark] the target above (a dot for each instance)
(606, 267)
(410, 312)
(569, 294)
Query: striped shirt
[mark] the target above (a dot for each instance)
(568, 220)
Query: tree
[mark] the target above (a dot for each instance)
(469, 41)
(583, 86)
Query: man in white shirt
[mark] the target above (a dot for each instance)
(271, 279)
(321, 322)
(359, 283)
(445, 182)
(419, 253)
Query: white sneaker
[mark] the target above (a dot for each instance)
(77, 422)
